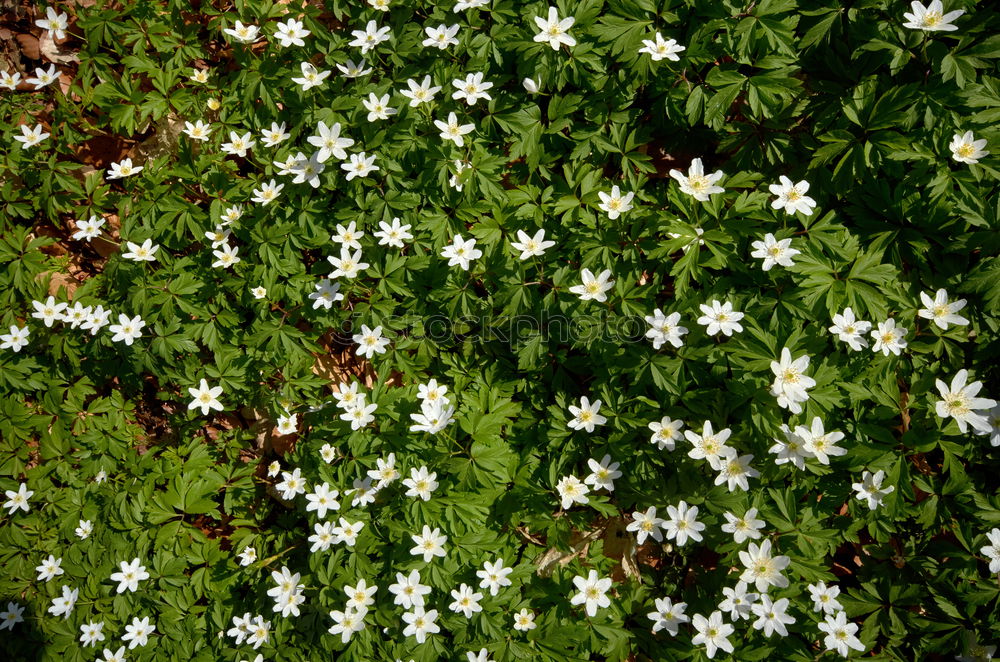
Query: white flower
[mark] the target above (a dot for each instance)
(959, 401)
(130, 575)
(409, 592)
(226, 256)
(16, 339)
(524, 620)
(370, 341)
(710, 445)
(370, 37)
(351, 70)
(360, 415)
(966, 149)
(378, 107)
(825, 598)
(328, 453)
(11, 616)
(993, 426)
(615, 203)
(127, 330)
(462, 5)
(359, 597)
(572, 490)
(322, 499)
(311, 76)
(697, 183)
(346, 623)
(792, 197)
(494, 576)
(422, 93)
(428, 543)
(323, 537)
(531, 246)
(275, 135)
(287, 425)
(233, 214)
(56, 23)
(738, 602)
(421, 483)
(247, 556)
(197, 131)
(659, 48)
(772, 616)
(790, 381)
(763, 569)
(888, 338)
(720, 317)
(472, 89)
(330, 142)
(593, 288)
(851, 330)
(713, 633)
(665, 328)
(292, 484)
(267, 192)
(452, 130)
(49, 568)
(307, 170)
(146, 252)
(238, 145)
(554, 30)
(360, 165)
(394, 235)
(442, 36)
(420, 623)
(245, 34)
(603, 474)
(291, 33)
(585, 417)
(31, 136)
(744, 527)
(63, 605)
(774, 252)
(199, 76)
(219, 236)
(327, 292)
(433, 417)
(667, 615)
(347, 532)
(461, 252)
(347, 265)
(49, 311)
(818, 443)
(682, 524)
(84, 529)
(646, 524)
(44, 78)
(940, 311)
(96, 320)
(870, 489)
(592, 592)
(123, 169)
(137, 633)
(10, 81)
(89, 229)
(385, 472)
(839, 633)
(530, 86)
(930, 18)
(286, 583)
(259, 632)
(666, 432)
(735, 471)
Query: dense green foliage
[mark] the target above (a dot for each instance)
(841, 95)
